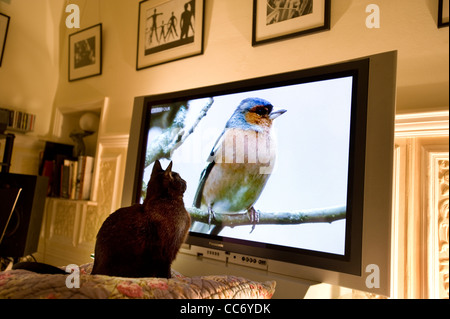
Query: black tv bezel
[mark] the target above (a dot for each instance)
(350, 262)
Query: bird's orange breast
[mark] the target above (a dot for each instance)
(255, 119)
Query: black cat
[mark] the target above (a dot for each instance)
(143, 240)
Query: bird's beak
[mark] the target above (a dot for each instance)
(276, 113)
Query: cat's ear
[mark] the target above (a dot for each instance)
(156, 167)
(169, 167)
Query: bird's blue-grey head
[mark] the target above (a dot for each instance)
(253, 114)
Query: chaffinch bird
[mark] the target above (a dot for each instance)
(240, 162)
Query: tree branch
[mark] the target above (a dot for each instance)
(320, 215)
(174, 136)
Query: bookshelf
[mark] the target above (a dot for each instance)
(65, 165)
(70, 226)
(65, 235)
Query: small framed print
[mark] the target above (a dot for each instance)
(275, 20)
(4, 24)
(443, 13)
(85, 53)
(169, 30)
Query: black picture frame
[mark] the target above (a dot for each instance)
(4, 26)
(443, 16)
(271, 23)
(162, 20)
(85, 53)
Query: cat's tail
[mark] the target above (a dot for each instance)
(39, 268)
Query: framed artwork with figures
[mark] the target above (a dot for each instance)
(169, 30)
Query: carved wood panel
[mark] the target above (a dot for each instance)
(442, 200)
(420, 256)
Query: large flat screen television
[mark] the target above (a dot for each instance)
(290, 173)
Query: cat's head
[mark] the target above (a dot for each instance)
(165, 183)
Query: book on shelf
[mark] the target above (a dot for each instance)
(84, 177)
(47, 170)
(71, 178)
(19, 121)
(68, 179)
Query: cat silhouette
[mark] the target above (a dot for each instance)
(143, 240)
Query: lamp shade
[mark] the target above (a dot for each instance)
(89, 122)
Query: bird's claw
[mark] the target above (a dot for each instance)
(253, 216)
(210, 216)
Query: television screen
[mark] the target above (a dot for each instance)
(271, 163)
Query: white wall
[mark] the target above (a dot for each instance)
(29, 72)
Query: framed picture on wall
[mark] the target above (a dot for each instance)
(443, 13)
(85, 53)
(169, 30)
(4, 24)
(275, 20)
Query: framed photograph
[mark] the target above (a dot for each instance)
(275, 20)
(4, 24)
(85, 53)
(169, 30)
(443, 12)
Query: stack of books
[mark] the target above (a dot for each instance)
(19, 121)
(70, 179)
(76, 178)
